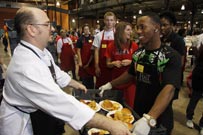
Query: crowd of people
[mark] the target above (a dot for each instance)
(148, 70)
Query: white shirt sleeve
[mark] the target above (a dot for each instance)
(30, 86)
(59, 45)
(97, 40)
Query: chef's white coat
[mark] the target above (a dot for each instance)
(29, 86)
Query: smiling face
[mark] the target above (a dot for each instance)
(148, 32)
(127, 32)
(145, 29)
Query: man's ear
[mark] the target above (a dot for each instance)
(31, 30)
(157, 28)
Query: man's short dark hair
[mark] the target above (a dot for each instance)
(170, 16)
(154, 17)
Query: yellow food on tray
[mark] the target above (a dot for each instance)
(110, 106)
(90, 103)
(101, 132)
(129, 125)
(124, 115)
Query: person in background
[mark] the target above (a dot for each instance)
(74, 37)
(183, 32)
(5, 28)
(100, 43)
(13, 38)
(5, 42)
(3, 69)
(51, 47)
(33, 84)
(66, 53)
(97, 29)
(119, 57)
(85, 58)
(197, 89)
(79, 32)
(172, 39)
(157, 70)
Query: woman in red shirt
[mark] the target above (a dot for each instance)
(119, 57)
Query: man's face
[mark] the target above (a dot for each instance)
(145, 29)
(43, 27)
(86, 30)
(63, 34)
(109, 22)
(166, 27)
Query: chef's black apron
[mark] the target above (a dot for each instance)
(149, 85)
(42, 123)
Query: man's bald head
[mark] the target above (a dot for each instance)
(24, 16)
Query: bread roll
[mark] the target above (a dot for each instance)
(126, 111)
(107, 104)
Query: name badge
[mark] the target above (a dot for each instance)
(104, 45)
(140, 68)
(90, 41)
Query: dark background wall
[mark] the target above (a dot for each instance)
(6, 13)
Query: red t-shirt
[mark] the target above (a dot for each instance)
(125, 53)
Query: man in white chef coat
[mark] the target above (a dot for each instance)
(34, 83)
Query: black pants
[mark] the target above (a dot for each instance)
(196, 95)
(44, 124)
(88, 82)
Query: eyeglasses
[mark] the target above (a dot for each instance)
(48, 24)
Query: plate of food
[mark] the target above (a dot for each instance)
(110, 105)
(96, 131)
(124, 115)
(92, 104)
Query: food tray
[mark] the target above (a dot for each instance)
(93, 94)
(116, 95)
(158, 131)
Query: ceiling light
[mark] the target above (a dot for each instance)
(140, 11)
(202, 11)
(97, 21)
(82, 2)
(183, 7)
(73, 20)
(57, 3)
(134, 17)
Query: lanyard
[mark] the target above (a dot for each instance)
(51, 68)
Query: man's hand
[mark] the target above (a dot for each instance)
(77, 85)
(104, 87)
(120, 129)
(114, 127)
(141, 127)
(97, 71)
